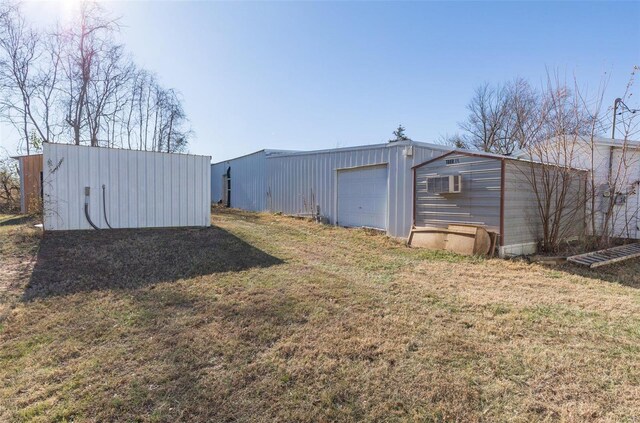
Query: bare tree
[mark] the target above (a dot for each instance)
(76, 83)
(9, 184)
(484, 127)
(566, 133)
(86, 43)
(19, 45)
(46, 91)
(551, 134)
(502, 119)
(611, 217)
(103, 100)
(175, 139)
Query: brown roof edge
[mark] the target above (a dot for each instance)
(433, 160)
(466, 153)
(25, 155)
(491, 156)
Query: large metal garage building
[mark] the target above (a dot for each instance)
(386, 186)
(356, 186)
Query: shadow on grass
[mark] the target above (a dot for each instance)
(17, 220)
(625, 273)
(80, 261)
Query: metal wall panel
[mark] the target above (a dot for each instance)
(248, 181)
(143, 189)
(477, 204)
(296, 183)
(522, 221)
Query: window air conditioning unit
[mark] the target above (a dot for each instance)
(451, 184)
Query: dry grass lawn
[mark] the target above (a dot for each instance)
(269, 318)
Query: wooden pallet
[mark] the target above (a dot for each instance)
(608, 256)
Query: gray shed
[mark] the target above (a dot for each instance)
(488, 190)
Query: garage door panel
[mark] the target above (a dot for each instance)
(362, 197)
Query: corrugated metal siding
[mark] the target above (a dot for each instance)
(479, 201)
(143, 189)
(296, 183)
(248, 181)
(521, 216)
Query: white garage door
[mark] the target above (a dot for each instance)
(362, 197)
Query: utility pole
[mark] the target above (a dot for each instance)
(615, 113)
(616, 103)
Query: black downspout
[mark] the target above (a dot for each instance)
(104, 205)
(86, 208)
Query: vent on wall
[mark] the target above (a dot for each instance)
(444, 184)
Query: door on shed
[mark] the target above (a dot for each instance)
(362, 197)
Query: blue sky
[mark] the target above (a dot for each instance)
(320, 75)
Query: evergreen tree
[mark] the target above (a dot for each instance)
(399, 135)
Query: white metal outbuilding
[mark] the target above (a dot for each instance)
(368, 185)
(123, 188)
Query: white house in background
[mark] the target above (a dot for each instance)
(613, 160)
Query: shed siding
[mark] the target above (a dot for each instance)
(248, 181)
(143, 189)
(479, 201)
(522, 221)
(30, 187)
(521, 218)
